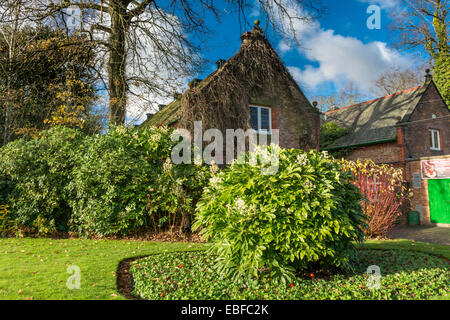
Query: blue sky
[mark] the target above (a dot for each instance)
(338, 48)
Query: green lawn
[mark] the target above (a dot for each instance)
(36, 268)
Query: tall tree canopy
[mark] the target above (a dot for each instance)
(424, 24)
(44, 76)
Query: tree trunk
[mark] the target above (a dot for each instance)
(116, 64)
(11, 54)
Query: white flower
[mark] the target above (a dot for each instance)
(215, 181)
(302, 159)
(240, 204)
(167, 166)
(325, 154)
(214, 168)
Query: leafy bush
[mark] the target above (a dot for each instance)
(6, 222)
(329, 133)
(125, 182)
(305, 214)
(35, 176)
(407, 275)
(384, 191)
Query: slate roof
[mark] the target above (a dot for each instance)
(375, 121)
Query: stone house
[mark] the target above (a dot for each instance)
(409, 130)
(251, 90)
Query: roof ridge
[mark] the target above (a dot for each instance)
(373, 100)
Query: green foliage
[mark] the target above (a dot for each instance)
(305, 213)
(36, 173)
(406, 275)
(118, 183)
(329, 133)
(37, 267)
(44, 65)
(6, 223)
(125, 182)
(442, 76)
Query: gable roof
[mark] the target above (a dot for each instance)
(173, 111)
(375, 121)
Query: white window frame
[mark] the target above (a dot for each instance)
(433, 142)
(260, 131)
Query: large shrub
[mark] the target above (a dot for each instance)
(304, 213)
(126, 182)
(384, 191)
(34, 175)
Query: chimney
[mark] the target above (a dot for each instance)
(428, 76)
(334, 107)
(193, 83)
(256, 33)
(220, 63)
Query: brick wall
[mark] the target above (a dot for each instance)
(388, 152)
(419, 201)
(417, 129)
(293, 116)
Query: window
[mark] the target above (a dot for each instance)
(261, 119)
(435, 143)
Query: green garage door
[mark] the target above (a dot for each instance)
(439, 196)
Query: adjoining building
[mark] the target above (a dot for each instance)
(409, 130)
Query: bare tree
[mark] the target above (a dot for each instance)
(397, 79)
(12, 13)
(150, 43)
(348, 95)
(422, 24)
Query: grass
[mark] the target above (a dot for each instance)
(406, 274)
(37, 268)
(431, 248)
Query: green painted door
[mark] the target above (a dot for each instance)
(439, 197)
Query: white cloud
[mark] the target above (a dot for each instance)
(339, 59)
(384, 4)
(284, 46)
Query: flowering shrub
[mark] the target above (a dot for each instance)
(384, 192)
(302, 213)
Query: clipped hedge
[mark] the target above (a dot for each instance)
(303, 213)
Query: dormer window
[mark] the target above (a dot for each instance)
(435, 140)
(261, 119)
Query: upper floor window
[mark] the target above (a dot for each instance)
(435, 139)
(261, 119)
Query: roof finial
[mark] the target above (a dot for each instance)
(257, 22)
(428, 76)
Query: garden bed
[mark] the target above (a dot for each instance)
(190, 275)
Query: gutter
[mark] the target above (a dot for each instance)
(363, 144)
